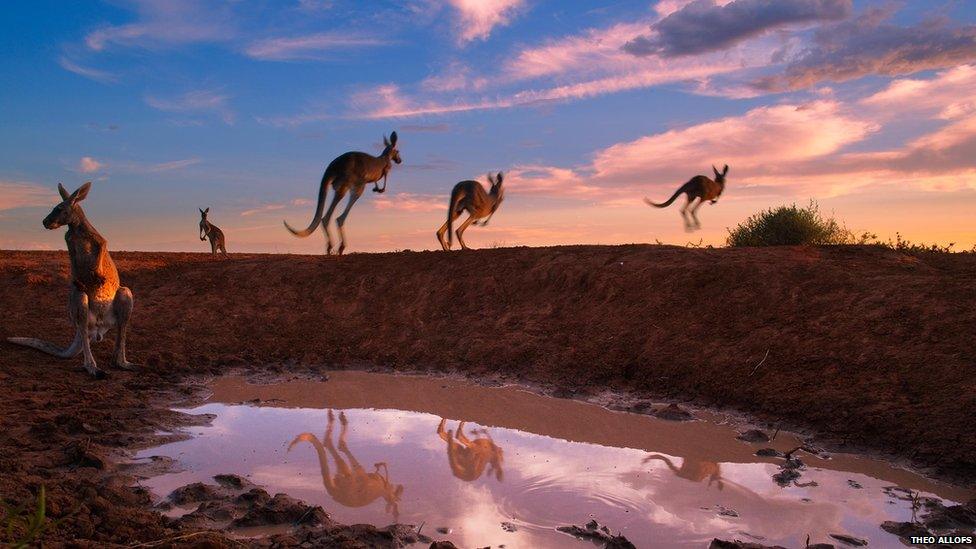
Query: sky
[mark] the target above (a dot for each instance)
(867, 107)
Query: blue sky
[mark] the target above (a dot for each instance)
(238, 105)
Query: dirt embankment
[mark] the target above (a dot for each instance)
(868, 347)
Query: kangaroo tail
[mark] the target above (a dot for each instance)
(323, 190)
(455, 197)
(665, 204)
(49, 348)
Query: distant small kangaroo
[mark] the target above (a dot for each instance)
(211, 231)
(96, 302)
(693, 469)
(468, 458)
(471, 197)
(701, 188)
(351, 486)
(349, 172)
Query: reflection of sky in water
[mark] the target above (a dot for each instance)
(547, 482)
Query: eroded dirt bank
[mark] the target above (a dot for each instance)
(868, 347)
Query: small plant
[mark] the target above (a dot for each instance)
(23, 528)
(791, 226)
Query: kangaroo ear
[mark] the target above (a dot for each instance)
(63, 192)
(393, 138)
(725, 170)
(386, 142)
(201, 210)
(207, 210)
(714, 169)
(498, 178)
(80, 193)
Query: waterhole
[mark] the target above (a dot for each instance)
(495, 466)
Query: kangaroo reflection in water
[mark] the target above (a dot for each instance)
(694, 470)
(467, 457)
(351, 486)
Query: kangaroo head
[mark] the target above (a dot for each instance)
(720, 177)
(391, 148)
(496, 187)
(68, 212)
(203, 223)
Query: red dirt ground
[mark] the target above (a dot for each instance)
(869, 348)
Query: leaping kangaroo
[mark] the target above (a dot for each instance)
(701, 188)
(349, 172)
(211, 231)
(468, 458)
(471, 197)
(96, 302)
(351, 486)
(694, 470)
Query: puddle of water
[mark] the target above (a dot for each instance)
(447, 453)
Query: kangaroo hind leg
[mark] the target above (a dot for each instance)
(122, 307)
(81, 315)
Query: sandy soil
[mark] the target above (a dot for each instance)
(869, 348)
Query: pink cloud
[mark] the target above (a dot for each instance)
(21, 194)
(477, 18)
(950, 94)
(88, 164)
(410, 202)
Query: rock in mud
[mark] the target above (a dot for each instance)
(854, 484)
(673, 412)
(442, 545)
(597, 533)
(195, 493)
(754, 436)
(769, 452)
(509, 527)
(736, 544)
(444, 530)
(849, 540)
(283, 509)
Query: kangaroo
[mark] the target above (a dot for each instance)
(701, 188)
(351, 486)
(96, 302)
(349, 172)
(211, 231)
(470, 196)
(468, 458)
(693, 469)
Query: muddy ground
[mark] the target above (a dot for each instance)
(869, 348)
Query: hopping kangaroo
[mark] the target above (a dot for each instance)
(468, 458)
(97, 303)
(469, 196)
(694, 470)
(211, 231)
(351, 486)
(698, 188)
(349, 173)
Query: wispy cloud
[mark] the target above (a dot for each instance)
(90, 73)
(22, 194)
(198, 101)
(164, 23)
(477, 18)
(312, 46)
(704, 26)
(410, 202)
(88, 164)
(275, 206)
(870, 44)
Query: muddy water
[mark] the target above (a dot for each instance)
(505, 466)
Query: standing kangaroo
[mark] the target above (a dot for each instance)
(470, 196)
(468, 458)
(351, 486)
(96, 303)
(350, 172)
(211, 231)
(701, 188)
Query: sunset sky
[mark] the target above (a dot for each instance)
(869, 107)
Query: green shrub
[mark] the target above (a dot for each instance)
(789, 226)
